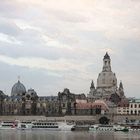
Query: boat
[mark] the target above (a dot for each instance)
(5, 125)
(54, 126)
(24, 125)
(100, 127)
(134, 127)
(121, 128)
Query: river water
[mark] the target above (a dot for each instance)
(61, 135)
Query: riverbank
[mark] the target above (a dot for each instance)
(78, 119)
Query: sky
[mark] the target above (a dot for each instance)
(54, 44)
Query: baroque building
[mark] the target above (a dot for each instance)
(107, 88)
(26, 102)
(67, 102)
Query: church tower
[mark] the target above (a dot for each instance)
(92, 92)
(106, 63)
(106, 88)
(92, 87)
(121, 90)
(107, 81)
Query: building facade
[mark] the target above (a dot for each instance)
(134, 107)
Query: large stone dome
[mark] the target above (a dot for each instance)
(106, 80)
(18, 89)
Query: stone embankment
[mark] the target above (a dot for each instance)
(43, 118)
(81, 119)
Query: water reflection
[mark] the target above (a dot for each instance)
(59, 135)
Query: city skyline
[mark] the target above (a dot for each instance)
(54, 45)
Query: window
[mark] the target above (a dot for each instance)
(135, 105)
(63, 104)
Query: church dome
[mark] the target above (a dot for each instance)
(106, 79)
(18, 89)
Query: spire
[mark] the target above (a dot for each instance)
(92, 85)
(121, 85)
(121, 91)
(106, 56)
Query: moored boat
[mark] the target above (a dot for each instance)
(135, 127)
(24, 126)
(5, 125)
(99, 127)
(121, 128)
(53, 126)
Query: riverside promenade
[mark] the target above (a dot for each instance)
(82, 119)
(43, 118)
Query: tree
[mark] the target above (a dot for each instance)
(104, 120)
(59, 101)
(34, 103)
(23, 106)
(2, 97)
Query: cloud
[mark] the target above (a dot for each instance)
(41, 63)
(9, 27)
(9, 39)
(66, 41)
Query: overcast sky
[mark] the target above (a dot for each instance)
(57, 44)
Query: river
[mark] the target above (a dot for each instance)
(61, 135)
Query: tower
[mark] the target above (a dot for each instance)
(92, 86)
(92, 92)
(106, 63)
(121, 90)
(107, 81)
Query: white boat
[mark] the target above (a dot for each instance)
(5, 125)
(24, 125)
(121, 128)
(54, 126)
(99, 127)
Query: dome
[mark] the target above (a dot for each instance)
(18, 89)
(106, 80)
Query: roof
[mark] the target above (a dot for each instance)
(123, 103)
(49, 98)
(18, 88)
(134, 101)
(94, 105)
